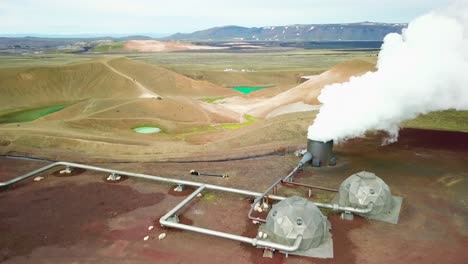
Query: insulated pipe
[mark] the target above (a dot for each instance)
(305, 158)
(182, 204)
(248, 240)
(163, 221)
(134, 175)
(336, 207)
(253, 241)
(174, 181)
(309, 186)
(30, 174)
(257, 200)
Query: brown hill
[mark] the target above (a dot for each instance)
(302, 97)
(105, 109)
(168, 83)
(37, 86)
(178, 109)
(103, 78)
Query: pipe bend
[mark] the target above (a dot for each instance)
(337, 207)
(32, 173)
(282, 247)
(306, 158)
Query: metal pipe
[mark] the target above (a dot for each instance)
(305, 158)
(182, 204)
(249, 215)
(253, 241)
(135, 175)
(248, 240)
(163, 221)
(29, 174)
(174, 181)
(336, 207)
(212, 175)
(309, 186)
(197, 173)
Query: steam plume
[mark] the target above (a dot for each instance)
(423, 69)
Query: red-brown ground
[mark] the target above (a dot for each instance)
(82, 219)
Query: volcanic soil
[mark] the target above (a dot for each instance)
(82, 219)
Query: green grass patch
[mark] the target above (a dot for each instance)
(260, 61)
(34, 60)
(29, 114)
(211, 100)
(208, 196)
(268, 67)
(108, 47)
(197, 130)
(324, 198)
(442, 120)
(250, 121)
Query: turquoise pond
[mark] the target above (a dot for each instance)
(248, 89)
(147, 130)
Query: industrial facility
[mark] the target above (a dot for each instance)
(294, 225)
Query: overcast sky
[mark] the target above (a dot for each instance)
(171, 16)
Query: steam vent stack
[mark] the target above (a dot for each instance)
(322, 153)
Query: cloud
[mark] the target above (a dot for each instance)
(48, 16)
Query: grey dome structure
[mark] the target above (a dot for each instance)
(361, 189)
(296, 216)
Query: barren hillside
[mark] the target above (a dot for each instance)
(300, 98)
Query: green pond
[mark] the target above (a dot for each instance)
(29, 114)
(147, 129)
(247, 89)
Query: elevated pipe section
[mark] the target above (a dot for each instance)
(306, 158)
(253, 241)
(258, 195)
(309, 186)
(336, 207)
(288, 179)
(133, 175)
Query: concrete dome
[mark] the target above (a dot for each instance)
(295, 216)
(363, 188)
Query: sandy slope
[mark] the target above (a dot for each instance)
(178, 109)
(168, 83)
(107, 103)
(144, 92)
(305, 93)
(38, 86)
(102, 78)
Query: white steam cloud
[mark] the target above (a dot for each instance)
(422, 70)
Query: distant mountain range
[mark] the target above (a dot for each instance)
(312, 32)
(87, 36)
